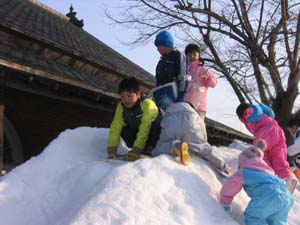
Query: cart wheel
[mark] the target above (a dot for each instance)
(12, 146)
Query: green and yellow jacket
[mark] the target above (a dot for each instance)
(139, 117)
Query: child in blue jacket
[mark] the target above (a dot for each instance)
(270, 201)
(172, 66)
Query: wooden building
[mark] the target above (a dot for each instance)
(55, 76)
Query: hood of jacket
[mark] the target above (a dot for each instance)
(256, 163)
(179, 107)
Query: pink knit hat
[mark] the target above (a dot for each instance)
(254, 151)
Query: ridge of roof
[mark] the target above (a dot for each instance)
(53, 11)
(53, 28)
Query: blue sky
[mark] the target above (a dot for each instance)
(221, 100)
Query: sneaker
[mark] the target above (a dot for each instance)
(228, 171)
(297, 173)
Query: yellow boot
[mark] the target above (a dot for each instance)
(182, 150)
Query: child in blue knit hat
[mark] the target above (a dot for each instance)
(172, 67)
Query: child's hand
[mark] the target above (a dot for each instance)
(133, 154)
(112, 153)
(205, 75)
(227, 209)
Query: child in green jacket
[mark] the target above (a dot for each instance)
(136, 121)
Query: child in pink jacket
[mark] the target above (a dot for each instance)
(202, 79)
(270, 199)
(259, 120)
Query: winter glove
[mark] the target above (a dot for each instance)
(112, 152)
(133, 155)
(227, 209)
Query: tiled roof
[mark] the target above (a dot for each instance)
(42, 23)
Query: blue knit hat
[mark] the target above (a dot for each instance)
(164, 38)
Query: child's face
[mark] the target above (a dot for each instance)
(163, 50)
(193, 56)
(129, 98)
(241, 119)
(292, 130)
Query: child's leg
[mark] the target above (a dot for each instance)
(278, 160)
(165, 145)
(279, 163)
(128, 135)
(181, 149)
(152, 138)
(208, 152)
(214, 159)
(280, 217)
(291, 183)
(202, 115)
(255, 214)
(252, 220)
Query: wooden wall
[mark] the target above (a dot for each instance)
(38, 119)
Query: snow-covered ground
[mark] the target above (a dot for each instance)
(71, 183)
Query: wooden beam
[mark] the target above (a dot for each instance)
(56, 77)
(1, 138)
(105, 106)
(1, 118)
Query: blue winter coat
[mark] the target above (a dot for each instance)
(270, 199)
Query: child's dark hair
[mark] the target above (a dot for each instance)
(294, 122)
(241, 109)
(129, 84)
(190, 48)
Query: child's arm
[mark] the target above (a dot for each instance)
(231, 187)
(207, 77)
(150, 112)
(182, 76)
(116, 128)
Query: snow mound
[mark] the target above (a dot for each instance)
(70, 182)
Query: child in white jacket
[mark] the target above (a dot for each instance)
(182, 131)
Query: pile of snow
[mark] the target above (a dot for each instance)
(72, 183)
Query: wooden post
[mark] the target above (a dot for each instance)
(1, 118)
(1, 138)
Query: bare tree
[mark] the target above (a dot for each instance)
(254, 44)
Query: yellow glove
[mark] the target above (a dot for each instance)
(112, 152)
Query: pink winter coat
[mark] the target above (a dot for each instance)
(275, 154)
(198, 87)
